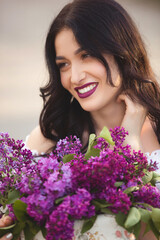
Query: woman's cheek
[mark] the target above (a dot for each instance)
(64, 80)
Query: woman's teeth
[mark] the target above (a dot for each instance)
(86, 89)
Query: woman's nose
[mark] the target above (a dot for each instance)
(77, 74)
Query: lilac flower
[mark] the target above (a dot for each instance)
(76, 206)
(68, 145)
(58, 193)
(148, 194)
(101, 144)
(47, 165)
(39, 206)
(118, 135)
(80, 204)
(13, 157)
(59, 226)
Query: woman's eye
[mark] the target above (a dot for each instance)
(62, 65)
(85, 55)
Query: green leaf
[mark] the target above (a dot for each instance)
(133, 218)
(145, 205)
(8, 227)
(136, 229)
(68, 158)
(155, 215)
(155, 180)
(34, 228)
(121, 218)
(147, 177)
(130, 189)
(91, 141)
(92, 138)
(105, 133)
(92, 152)
(145, 215)
(118, 184)
(44, 231)
(100, 203)
(18, 229)
(107, 211)
(13, 196)
(88, 224)
(28, 233)
(155, 175)
(59, 200)
(19, 208)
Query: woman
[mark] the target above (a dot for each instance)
(99, 75)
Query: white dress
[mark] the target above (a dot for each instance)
(105, 226)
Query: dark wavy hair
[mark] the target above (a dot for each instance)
(100, 27)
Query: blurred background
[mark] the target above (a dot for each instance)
(23, 28)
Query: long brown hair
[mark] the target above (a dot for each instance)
(99, 26)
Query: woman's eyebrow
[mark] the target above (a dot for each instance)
(59, 58)
(75, 53)
(78, 50)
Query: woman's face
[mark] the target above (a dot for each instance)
(85, 76)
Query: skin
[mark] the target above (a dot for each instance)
(4, 222)
(106, 106)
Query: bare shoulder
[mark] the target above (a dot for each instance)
(149, 139)
(36, 141)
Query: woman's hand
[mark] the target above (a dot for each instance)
(133, 121)
(8, 236)
(4, 222)
(148, 236)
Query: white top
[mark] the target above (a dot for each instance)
(154, 156)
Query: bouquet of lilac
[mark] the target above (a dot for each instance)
(50, 193)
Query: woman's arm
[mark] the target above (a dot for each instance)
(148, 137)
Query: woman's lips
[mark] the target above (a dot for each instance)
(86, 90)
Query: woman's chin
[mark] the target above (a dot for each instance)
(90, 107)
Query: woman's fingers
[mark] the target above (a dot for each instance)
(135, 113)
(5, 221)
(7, 236)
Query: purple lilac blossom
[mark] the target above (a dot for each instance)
(148, 194)
(76, 183)
(68, 145)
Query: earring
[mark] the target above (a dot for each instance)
(72, 98)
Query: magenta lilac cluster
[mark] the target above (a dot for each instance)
(58, 193)
(68, 145)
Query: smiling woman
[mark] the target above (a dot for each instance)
(84, 76)
(99, 75)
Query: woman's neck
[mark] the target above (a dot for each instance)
(111, 116)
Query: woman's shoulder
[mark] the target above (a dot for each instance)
(37, 142)
(149, 139)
